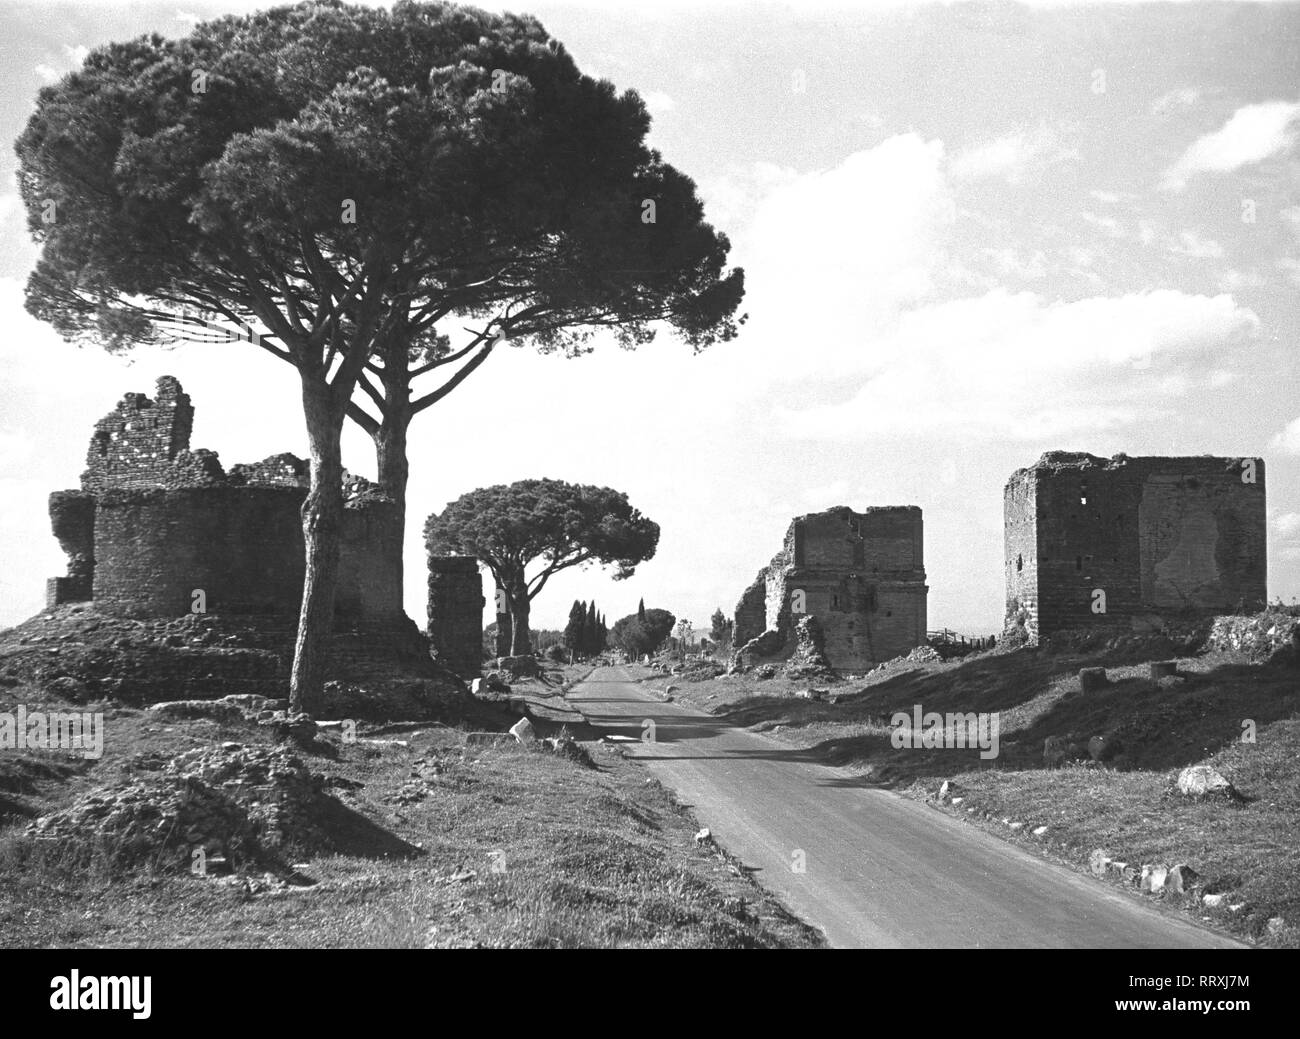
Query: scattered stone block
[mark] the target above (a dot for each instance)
(1098, 861)
(1163, 669)
(1204, 781)
(1153, 878)
(522, 730)
(1092, 678)
(1103, 748)
(1181, 878)
(491, 738)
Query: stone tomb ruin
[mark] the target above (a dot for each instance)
(155, 523)
(1134, 541)
(859, 575)
(456, 613)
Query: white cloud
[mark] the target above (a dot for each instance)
(1251, 135)
(1012, 157)
(48, 75)
(1014, 366)
(76, 55)
(1235, 280)
(1289, 439)
(1107, 224)
(1191, 244)
(1010, 263)
(1184, 97)
(832, 257)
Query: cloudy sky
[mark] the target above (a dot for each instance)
(971, 234)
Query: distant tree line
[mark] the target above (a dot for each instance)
(642, 632)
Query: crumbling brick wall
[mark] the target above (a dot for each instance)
(155, 522)
(751, 611)
(861, 574)
(456, 613)
(1159, 538)
(72, 516)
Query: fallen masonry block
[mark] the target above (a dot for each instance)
(477, 738)
(1204, 781)
(1103, 748)
(1153, 878)
(1092, 679)
(522, 730)
(1181, 878)
(1163, 669)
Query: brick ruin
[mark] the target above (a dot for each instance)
(154, 522)
(1138, 541)
(860, 574)
(456, 613)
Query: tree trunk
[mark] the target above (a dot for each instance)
(322, 523)
(393, 469)
(521, 640)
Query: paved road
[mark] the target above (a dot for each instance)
(881, 871)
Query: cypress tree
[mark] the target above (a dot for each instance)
(573, 630)
(589, 630)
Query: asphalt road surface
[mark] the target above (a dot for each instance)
(879, 870)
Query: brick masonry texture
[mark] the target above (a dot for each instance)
(456, 613)
(1164, 538)
(154, 522)
(861, 574)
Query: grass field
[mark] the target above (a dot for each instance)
(444, 845)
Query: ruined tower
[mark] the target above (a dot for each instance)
(154, 523)
(861, 574)
(1135, 541)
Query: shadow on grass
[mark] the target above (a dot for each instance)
(351, 833)
(1153, 728)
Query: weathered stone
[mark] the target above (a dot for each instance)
(522, 731)
(1098, 861)
(1158, 537)
(859, 574)
(1103, 748)
(1204, 781)
(455, 613)
(1181, 878)
(1214, 901)
(479, 738)
(217, 710)
(147, 503)
(1153, 878)
(519, 667)
(1092, 679)
(1163, 669)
